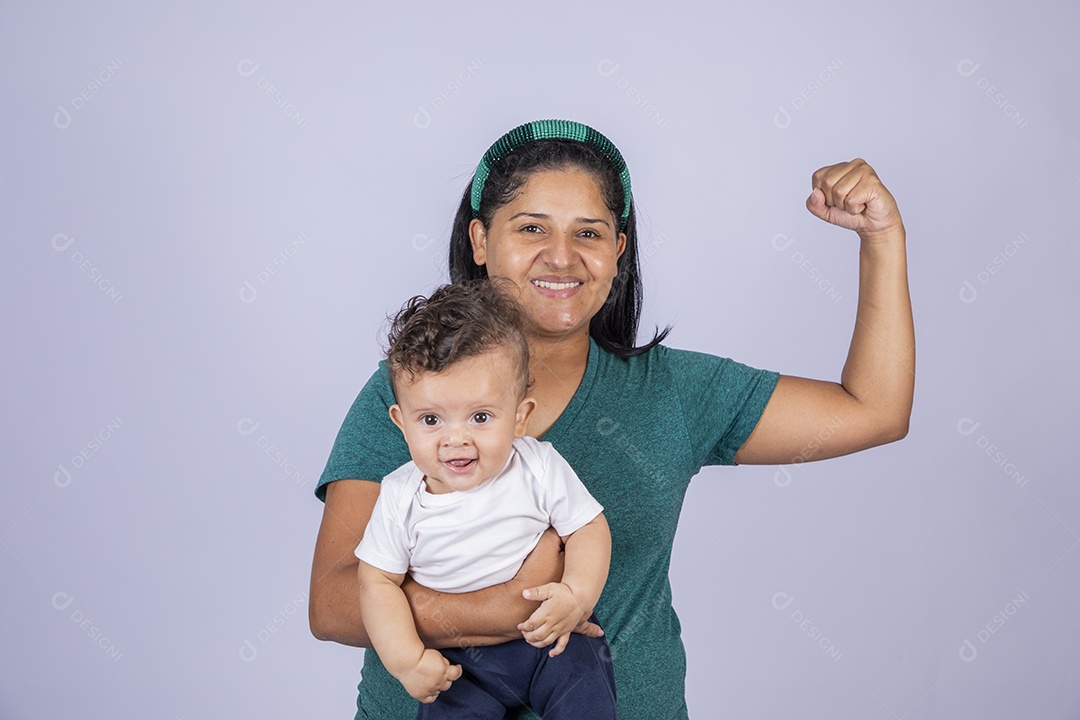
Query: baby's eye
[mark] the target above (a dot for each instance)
(481, 417)
(429, 420)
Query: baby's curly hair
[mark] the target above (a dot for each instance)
(456, 322)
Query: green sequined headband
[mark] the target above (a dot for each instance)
(543, 130)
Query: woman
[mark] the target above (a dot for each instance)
(550, 209)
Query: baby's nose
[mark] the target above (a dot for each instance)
(457, 435)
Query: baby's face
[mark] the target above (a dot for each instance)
(460, 423)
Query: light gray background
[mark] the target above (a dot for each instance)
(211, 207)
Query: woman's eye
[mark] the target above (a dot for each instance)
(429, 420)
(481, 417)
(591, 234)
(532, 229)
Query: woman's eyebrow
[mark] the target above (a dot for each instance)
(542, 216)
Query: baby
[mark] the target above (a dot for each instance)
(469, 508)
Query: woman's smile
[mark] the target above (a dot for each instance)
(557, 287)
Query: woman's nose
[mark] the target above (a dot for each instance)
(559, 250)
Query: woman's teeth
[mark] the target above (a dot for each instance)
(556, 285)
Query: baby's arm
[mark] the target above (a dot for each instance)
(567, 604)
(389, 624)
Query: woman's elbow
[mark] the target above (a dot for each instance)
(873, 431)
(318, 621)
(896, 428)
(328, 628)
(326, 623)
(902, 429)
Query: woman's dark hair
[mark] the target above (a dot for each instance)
(615, 325)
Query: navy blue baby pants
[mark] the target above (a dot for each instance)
(578, 683)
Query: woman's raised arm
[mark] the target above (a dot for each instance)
(484, 617)
(871, 405)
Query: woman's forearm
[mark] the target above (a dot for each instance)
(880, 367)
(482, 617)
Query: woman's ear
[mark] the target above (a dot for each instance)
(521, 420)
(620, 245)
(478, 238)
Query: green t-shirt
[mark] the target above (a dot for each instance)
(636, 431)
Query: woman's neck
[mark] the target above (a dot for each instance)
(557, 357)
(557, 366)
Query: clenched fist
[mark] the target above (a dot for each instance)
(432, 675)
(851, 195)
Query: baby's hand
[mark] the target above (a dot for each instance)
(559, 613)
(432, 674)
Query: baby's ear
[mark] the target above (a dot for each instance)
(521, 421)
(397, 417)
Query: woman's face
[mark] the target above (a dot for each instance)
(559, 244)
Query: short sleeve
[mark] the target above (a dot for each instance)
(384, 543)
(568, 503)
(368, 446)
(721, 400)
